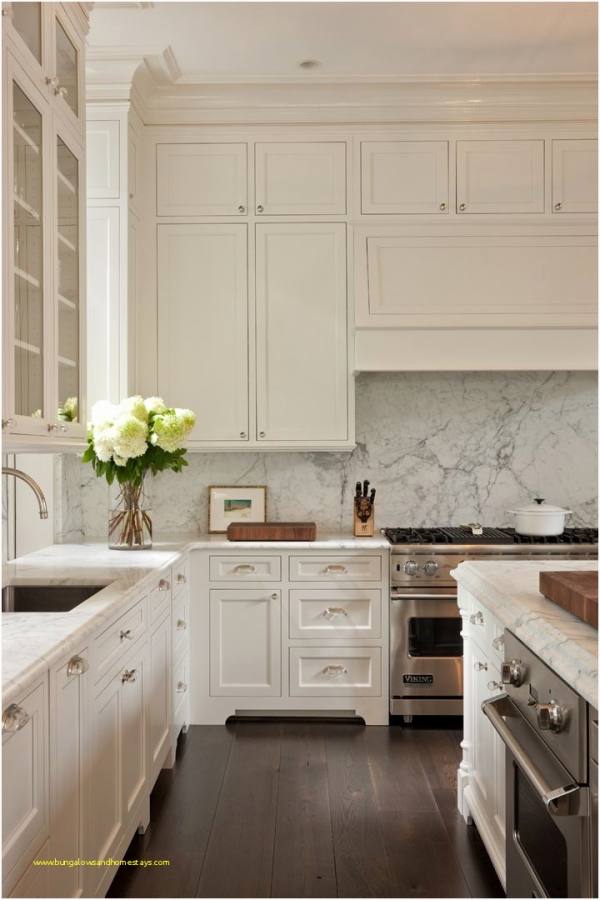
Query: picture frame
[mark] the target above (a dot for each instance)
(235, 503)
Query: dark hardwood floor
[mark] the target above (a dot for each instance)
(309, 809)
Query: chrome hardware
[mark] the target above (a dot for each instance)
(275, 596)
(163, 585)
(241, 209)
(335, 569)
(442, 206)
(243, 434)
(7, 423)
(477, 618)
(550, 716)
(51, 82)
(462, 207)
(480, 667)
(512, 672)
(494, 686)
(498, 642)
(61, 91)
(260, 208)
(430, 567)
(52, 426)
(77, 665)
(181, 687)
(335, 670)
(181, 625)
(62, 427)
(17, 473)
(181, 579)
(557, 206)
(332, 611)
(125, 635)
(410, 567)
(128, 675)
(14, 718)
(261, 434)
(244, 567)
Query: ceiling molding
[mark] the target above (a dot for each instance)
(110, 71)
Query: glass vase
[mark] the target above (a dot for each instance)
(130, 518)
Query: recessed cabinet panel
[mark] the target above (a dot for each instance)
(574, 176)
(475, 281)
(301, 339)
(301, 178)
(404, 177)
(102, 159)
(203, 326)
(335, 613)
(500, 177)
(335, 671)
(201, 179)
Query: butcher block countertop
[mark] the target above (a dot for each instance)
(510, 590)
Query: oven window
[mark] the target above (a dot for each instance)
(434, 636)
(540, 839)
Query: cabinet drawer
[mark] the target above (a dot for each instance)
(335, 671)
(335, 568)
(180, 575)
(245, 568)
(117, 638)
(160, 599)
(180, 622)
(335, 612)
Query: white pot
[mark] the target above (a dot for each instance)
(540, 519)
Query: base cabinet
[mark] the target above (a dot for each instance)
(159, 696)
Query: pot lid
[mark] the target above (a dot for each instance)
(539, 507)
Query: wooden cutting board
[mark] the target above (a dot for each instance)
(577, 592)
(272, 531)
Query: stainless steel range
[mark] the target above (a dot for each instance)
(425, 640)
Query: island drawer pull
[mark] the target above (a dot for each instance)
(335, 670)
(163, 585)
(477, 619)
(14, 718)
(77, 665)
(332, 611)
(335, 569)
(125, 635)
(480, 666)
(498, 642)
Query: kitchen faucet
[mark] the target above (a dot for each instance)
(17, 473)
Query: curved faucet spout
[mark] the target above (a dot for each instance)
(23, 476)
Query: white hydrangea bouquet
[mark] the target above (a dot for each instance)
(125, 442)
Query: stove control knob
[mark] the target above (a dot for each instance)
(430, 567)
(410, 567)
(513, 672)
(550, 716)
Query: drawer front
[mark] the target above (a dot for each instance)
(245, 568)
(180, 622)
(160, 599)
(335, 568)
(180, 574)
(118, 637)
(335, 612)
(335, 671)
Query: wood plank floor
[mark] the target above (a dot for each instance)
(309, 809)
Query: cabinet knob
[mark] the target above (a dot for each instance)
(498, 643)
(241, 209)
(462, 207)
(335, 670)
(261, 434)
(181, 579)
(125, 635)
(52, 82)
(61, 91)
(243, 434)
(77, 665)
(558, 206)
(163, 585)
(128, 675)
(260, 208)
(477, 619)
(181, 687)
(443, 206)
(181, 625)
(52, 426)
(7, 423)
(494, 686)
(275, 596)
(480, 666)
(14, 718)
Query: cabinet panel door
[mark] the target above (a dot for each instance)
(68, 67)
(575, 176)
(301, 178)
(245, 643)
(301, 332)
(500, 176)
(135, 695)
(404, 176)
(159, 696)
(203, 326)
(103, 146)
(201, 179)
(104, 818)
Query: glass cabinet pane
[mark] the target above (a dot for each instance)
(67, 193)
(27, 22)
(28, 256)
(66, 67)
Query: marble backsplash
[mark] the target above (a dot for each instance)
(441, 448)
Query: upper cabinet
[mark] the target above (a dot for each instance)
(574, 176)
(300, 178)
(201, 179)
(500, 176)
(404, 177)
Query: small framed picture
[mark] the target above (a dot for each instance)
(235, 504)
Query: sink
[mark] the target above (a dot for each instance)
(46, 597)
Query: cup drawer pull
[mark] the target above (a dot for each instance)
(332, 611)
(244, 569)
(333, 670)
(335, 569)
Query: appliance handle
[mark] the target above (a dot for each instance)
(561, 801)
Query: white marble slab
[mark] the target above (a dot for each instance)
(510, 590)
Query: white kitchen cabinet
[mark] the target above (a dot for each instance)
(404, 177)
(102, 145)
(295, 178)
(159, 696)
(301, 333)
(335, 613)
(136, 698)
(69, 772)
(68, 66)
(201, 179)
(335, 671)
(203, 327)
(245, 642)
(25, 804)
(574, 176)
(500, 176)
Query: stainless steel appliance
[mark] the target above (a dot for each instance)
(551, 814)
(425, 641)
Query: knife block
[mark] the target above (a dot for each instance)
(364, 529)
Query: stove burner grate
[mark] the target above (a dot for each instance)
(463, 535)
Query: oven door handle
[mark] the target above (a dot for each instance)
(567, 800)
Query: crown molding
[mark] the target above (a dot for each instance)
(111, 72)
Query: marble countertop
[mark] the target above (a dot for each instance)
(32, 643)
(510, 590)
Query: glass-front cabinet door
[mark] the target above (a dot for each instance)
(68, 279)
(67, 65)
(26, 19)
